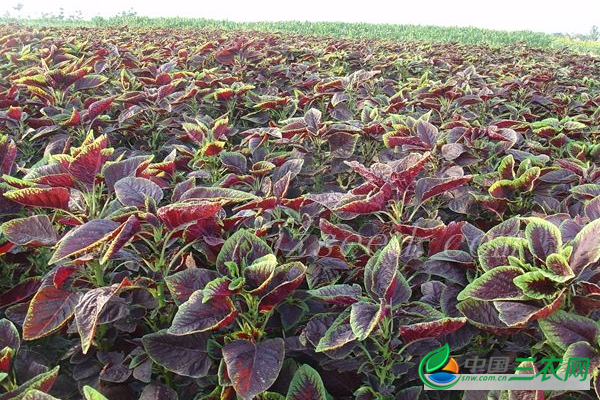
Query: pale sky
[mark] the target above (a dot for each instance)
(572, 16)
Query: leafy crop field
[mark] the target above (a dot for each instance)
(421, 33)
(216, 214)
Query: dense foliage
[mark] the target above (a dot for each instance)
(424, 33)
(219, 215)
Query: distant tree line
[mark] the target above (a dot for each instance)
(593, 35)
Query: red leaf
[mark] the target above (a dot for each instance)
(177, 214)
(195, 316)
(20, 292)
(41, 383)
(62, 274)
(86, 163)
(347, 235)
(429, 187)
(74, 119)
(433, 329)
(14, 113)
(97, 108)
(265, 204)
(163, 79)
(55, 180)
(54, 197)
(48, 311)
(392, 141)
(226, 56)
(450, 239)
(8, 154)
(408, 169)
(5, 360)
(361, 205)
(424, 228)
(6, 247)
(287, 278)
(120, 237)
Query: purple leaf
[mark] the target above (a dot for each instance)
(364, 318)
(89, 308)
(381, 273)
(31, 231)
(184, 283)
(563, 328)
(544, 237)
(195, 316)
(338, 294)
(84, 239)
(306, 385)
(253, 367)
(185, 355)
(586, 247)
(337, 335)
(115, 171)
(156, 391)
(495, 284)
(132, 191)
(9, 336)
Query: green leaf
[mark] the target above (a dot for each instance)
(271, 396)
(339, 334)
(495, 284)
(381, 272)
(92, 394)
(495, 253)
(42, 382)
(506, 167)
(306, 385)
(558, 265)
(539, 284)
(586, 247)
(241, 248)
(38, 395)
(543, 237)
(526, 181)
(364, 317)
(563, 328)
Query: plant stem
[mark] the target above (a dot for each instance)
(98, 274)
(160, 292)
